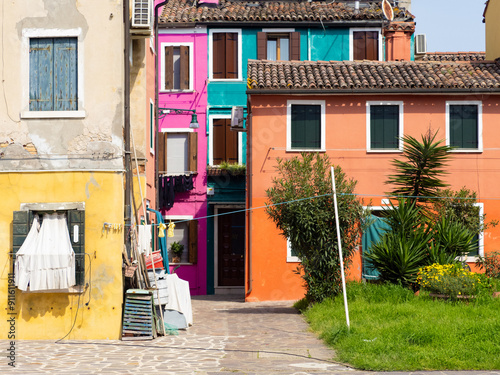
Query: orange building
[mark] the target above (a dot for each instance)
(355, 111)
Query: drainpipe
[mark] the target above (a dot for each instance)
(126, 126)
(249, 194)
(157, 190)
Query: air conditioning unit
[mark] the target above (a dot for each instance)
(237, 118)
(420, 44)
(142, 11)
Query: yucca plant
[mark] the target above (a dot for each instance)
(419, 176)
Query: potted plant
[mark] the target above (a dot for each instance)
(176, 249)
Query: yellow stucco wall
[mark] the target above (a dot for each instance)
(492, 30)
(51, 315)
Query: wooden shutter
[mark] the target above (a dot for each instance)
(219, 141)
(261, 46)
(359, 45)
(169, 68)
(218, 55)
(193, 152)
(184, 69)
(306, 126)
(295, 46)
(231, 55)
(231, 143)
(463, 126)
(41, 74)
(77, 217)
(384, 126)
(21, 225)
(371, 45)
(193, 241)
(162, 152)
(65, 74)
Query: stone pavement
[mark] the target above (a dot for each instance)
(228, 335)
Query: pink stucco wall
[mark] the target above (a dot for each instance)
(194, 202)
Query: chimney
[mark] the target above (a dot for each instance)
(398, 40)
(209, 3)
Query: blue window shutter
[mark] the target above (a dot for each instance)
(65, 76)
(41, 74)
(53, 74)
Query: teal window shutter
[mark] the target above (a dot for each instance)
(21, 225)
(306, 126)
(53, 74)
(464, 126)
(384, 127)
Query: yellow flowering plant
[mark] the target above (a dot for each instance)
(452, 280)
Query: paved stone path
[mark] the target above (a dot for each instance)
(228, 335)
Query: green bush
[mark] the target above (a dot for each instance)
(490, 263)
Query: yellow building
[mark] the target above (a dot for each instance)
(62, 123)
(492, 29)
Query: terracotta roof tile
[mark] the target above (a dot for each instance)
(352, 76)
(454, 56)
(190, 11)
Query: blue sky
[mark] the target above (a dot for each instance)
(450, 25)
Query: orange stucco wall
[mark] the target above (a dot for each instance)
(271, 277)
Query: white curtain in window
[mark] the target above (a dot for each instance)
(46, 260)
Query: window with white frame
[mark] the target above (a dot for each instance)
(185, 234)
(365, 44)
(384, 126)
(291, 254)
(464, 125)
(225, 54)
(225, 144)
(52, 72)
(177, 67)
(178, 150)
(151, 126)
(305, 125)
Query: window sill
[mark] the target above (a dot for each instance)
(305, 150)
(78, 289)
(226, 80)
(52, 114)
(384, 150)
(190, 91)
(292, 260)
(180, 264)
(466, 151)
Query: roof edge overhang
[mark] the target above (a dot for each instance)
(373, 91)
(266, 24)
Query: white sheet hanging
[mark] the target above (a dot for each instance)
(46, 259)
(144, 239)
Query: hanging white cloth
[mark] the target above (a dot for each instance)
(144, 239)
(46, 260)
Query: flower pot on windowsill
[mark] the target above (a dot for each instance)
(176, 259)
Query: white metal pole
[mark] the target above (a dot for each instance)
(340, 248)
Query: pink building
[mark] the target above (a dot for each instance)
(182, 185)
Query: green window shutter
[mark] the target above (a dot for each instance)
(21, 225)
(306, 126)
(384, 127)
(464, 126)
(77, 217)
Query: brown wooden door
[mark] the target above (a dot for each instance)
(231, 247)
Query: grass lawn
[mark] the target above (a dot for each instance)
(393, 330)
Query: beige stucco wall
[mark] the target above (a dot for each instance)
(92, 141)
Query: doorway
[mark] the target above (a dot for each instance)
(230, 249)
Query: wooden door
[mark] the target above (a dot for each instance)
(231, 247)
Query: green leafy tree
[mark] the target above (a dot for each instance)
(301, 205)
(419, 174)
